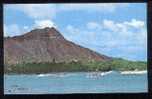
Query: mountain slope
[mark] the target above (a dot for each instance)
(46, 45)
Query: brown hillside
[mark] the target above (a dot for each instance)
(46, 45)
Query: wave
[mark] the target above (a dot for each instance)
(98, 74)
(54, 75)
(106, 73)
(43, 75)
(133, 72)
(92, 74)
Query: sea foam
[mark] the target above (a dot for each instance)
(133, 72)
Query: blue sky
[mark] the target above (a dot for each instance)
(113, 29)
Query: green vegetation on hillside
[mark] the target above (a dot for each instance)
(115, 64)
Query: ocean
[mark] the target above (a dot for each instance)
(75, 82)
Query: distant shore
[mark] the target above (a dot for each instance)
(124, 66)
(102, 73)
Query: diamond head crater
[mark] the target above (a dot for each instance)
(46, 50)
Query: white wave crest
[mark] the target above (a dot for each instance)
(133, 72)
(54, 75)
(44, 75)
(98, 74)
(105, 73)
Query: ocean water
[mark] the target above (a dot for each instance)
(77, 82)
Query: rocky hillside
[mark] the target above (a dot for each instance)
(46, 45)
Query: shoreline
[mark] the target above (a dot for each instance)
(102, 72)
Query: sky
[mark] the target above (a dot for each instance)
(113, 29)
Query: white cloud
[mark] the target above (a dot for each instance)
(44, 23)
(121, 27)
(124, 28)
(109, 24)
(114, 38)
(44, 13)
(14, 30)
(72, 29)
(35, 11)
(11, 30)
(135, 23)
(93, 25)
(79, 36)
(71, 33)
(127, 37)
(49, 11)
(114, 26)
(25, 27)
